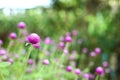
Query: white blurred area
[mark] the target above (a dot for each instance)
(17, 6)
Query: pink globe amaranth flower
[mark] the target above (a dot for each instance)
(13, 35)
(46, 62)
(92, 54)
(3, 52)
(24, 32)
(105, 64)
(11, 60)
(21, 25)
(80, 41)
(68, 39)
(47, 40)
(17, 56)
(1, 42)
(62, 45)
(97, 50)
(99, 71)
(30, 61)
(36, 46)
(65, 52)
(107, 70)
(92, 76)
(74, 32)
(86, 76)
(29, 70)
(85, 50)
(62, 38)
(78, 72)
(71, 57)
(33, 38)
(68, 34)
(69, 68)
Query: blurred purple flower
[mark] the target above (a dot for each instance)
(13, 35)
(21, 25)
(33, 38)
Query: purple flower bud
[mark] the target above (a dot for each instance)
(69, 68)
(92, 76)
(97, 50)
(68, 34)
(65, 52)
(74, 32)
(47, 40)
(77, 71)
(13, 35)
(21, 25)
(85, 50)
(86, 76)
(105, 64)
(30, 61)
(61, 38)
(80, 41)
(33, 38)
(107, 70)
(29, 70)
(99, 70)
(68, 39)
(92, 54)
(37, 46)
(2, 52)
(71, 57)
(11, 60)
(24, 32)
(46, 62)
(16, 55)
(1, 42)
(61, 45)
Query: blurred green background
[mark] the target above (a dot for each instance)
(97, 22)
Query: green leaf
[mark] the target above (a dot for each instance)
(4, 64)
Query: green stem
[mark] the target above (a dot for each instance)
(25, 65)
(97, 77)
(1, 76)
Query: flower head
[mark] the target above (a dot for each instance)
(21, 25)
(69, 68)
(68, 39)
(46, 62)
(99, 70)
(33, 38)
(13, 35)
(77, 71)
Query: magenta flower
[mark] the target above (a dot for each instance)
(86, 76)
(97, 50)
(47, 40)
(21, 25)
(92, 54)
(78, 71)
(68, 39)
(69, 68)
(74, 32)
(2, 52)
(33, 38)
(36, 46)
(11, 60)
(85, 50)
(105, 64)
(61, 45)
(65, 52)
(46, 62)
(99, 70)
(30, 61)
(13, 35)
(1, 42)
